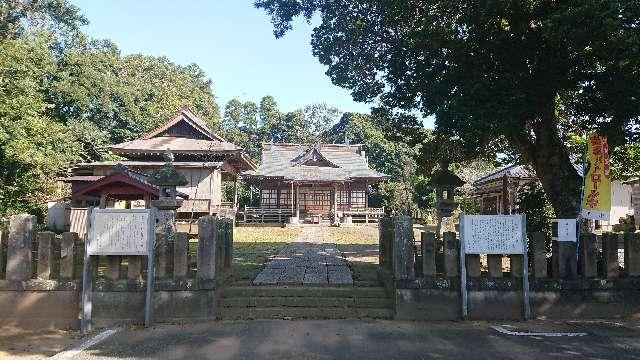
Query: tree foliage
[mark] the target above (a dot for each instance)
(518, 74)
(65, 98)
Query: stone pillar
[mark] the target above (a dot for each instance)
(451, 254)
(516, 265)
(588, 256)
(610, 254)
(134, 268)
(67, 255)
(45, 254)
(632, 253)
(113, 267)
(472, 263)
(181, 255)
(538, 244)
(385, 239)
(567, 262)
(4, 237)
(494, 263)
(228, 243)
(428, 244)
(207, 235)
(22, 234)
(403, 257)
(162, 254)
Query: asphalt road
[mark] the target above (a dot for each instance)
(353, 339)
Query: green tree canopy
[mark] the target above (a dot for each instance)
(490, 71)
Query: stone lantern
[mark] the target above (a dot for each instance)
(167, 178)
(445, 182)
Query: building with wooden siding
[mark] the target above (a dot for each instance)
(313, 182)
(206, 159)
(497, 193)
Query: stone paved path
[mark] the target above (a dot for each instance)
(312, 259)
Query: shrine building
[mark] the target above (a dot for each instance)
(313, 183)
(206, 159)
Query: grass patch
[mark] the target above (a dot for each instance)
(359, 245)
(254, 246)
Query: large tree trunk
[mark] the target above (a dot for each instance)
(550, 159)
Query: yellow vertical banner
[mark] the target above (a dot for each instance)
(596, 201)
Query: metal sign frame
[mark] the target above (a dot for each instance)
(87, 283)
(525, 267)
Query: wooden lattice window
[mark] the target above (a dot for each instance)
(285, 198)
(358, 198)
(269, 198)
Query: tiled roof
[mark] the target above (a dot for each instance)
(140, 164)
(281, 161)
(185, 114)
(175, 144)
(511, 171)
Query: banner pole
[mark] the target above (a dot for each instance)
(584, 179)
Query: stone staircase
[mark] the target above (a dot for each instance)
(304, 302)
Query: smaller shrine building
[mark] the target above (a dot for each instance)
(312, 183)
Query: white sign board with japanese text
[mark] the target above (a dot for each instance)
(564, 230)
(493, 234)
(112, 232)
(120, 232)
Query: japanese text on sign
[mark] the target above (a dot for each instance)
(493, 234)
(596, 203)
(119, 232)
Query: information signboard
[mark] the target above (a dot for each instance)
(493, 234)
(564, 230)
(119, 232)
(112, 232)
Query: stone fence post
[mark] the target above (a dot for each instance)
(403, 257)
(207, 237)
(632, 253)
(45, 254)
(22, 234)
(451, 254)
(539, 250)
(610, 255)
(385, 232)
(428, 245)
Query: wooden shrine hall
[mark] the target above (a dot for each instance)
(206, 159)
(302, 183)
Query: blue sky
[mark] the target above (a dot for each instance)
(231, 40)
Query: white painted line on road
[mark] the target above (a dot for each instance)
(98, 338)
(502, 330)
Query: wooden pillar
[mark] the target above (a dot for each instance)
(505, 195)
(335, 201)
(291, 198)
(103, 201)
(298, 201)
(235, 193)
(147, 200)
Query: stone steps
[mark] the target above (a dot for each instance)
(303, 302)
(304, 313)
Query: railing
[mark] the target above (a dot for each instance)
(195, 205)
(260, 215)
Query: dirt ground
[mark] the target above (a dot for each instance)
(31, 345)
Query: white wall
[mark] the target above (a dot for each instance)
(620, 202)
